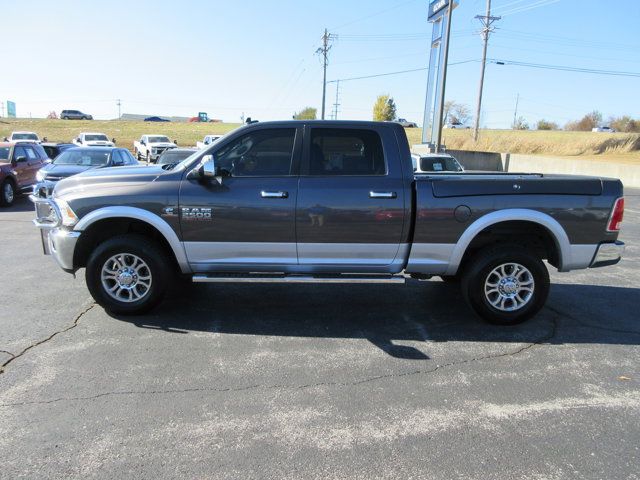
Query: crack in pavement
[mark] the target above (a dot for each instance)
(540, 341)
(74, 324)
(589, 325)
(8, 353)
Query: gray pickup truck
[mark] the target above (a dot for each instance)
(329, 202)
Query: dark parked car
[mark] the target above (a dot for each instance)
(77, 160)
(19, 163)
(55, 149)
(156, 119)
(74, 115)
(175, 155)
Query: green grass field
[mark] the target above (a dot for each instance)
(624, 146)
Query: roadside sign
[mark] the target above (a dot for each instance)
(11, 109)
(437, 8)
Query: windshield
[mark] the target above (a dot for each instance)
(159, 140)
(4, 153)
(24, 136)
(173, 157)
(85, 158)
(439, 164)
(94, 138)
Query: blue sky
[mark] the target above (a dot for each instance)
(257, 57)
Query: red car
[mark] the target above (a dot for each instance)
(19, 163)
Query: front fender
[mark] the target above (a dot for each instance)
(143, 215)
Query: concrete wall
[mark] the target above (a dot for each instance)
(518, 163)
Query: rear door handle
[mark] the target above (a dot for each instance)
(382, 195)
(265, 194)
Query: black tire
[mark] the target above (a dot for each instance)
(65, 117)
(149, 161)
(138, 157)
(128, 246)
(7, 193)
(526, 271)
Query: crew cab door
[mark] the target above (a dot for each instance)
(248, 219)
(351, 210)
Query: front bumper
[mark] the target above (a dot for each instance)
(608, 254)
(57, 241)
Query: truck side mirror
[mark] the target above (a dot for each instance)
(209, 168)
(113, 140)
(21, 158)
(78, 139)
(175, 142)
(142, 142)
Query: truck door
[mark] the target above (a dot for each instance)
(21, 167)
(351, 201)
(249, 219)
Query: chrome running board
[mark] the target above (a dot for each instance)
(262, 278)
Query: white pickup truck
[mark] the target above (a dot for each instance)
(150, 147)
(208, 140)
(92, 139)
(23, 137)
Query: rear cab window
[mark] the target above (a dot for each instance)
(345, 151)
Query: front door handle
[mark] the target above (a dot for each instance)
(382, 195)
(265, 194)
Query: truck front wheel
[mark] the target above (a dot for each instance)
(127, 274)
(505, 284)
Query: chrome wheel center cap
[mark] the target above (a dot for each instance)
(126, 278)
(509, 286)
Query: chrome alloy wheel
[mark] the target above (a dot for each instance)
(7, 192)
(126, 277)
(509, 287)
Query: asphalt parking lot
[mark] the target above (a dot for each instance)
(295, 381)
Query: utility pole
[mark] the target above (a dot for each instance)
(515, 112)
(2, 107)
(487, 22)
(118, 102)
(324, 51)
(337, 104)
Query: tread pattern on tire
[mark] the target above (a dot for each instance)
(474, 274)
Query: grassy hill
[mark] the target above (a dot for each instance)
(587, 144)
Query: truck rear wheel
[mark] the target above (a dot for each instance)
(127, 274)
(505, 284)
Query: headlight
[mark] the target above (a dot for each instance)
(69, 218)
(40, 176)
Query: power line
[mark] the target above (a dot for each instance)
(565, 68)
(373, 15)
(395, 73)
(540, 3)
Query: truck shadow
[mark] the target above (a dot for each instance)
(418, 312)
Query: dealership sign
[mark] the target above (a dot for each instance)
(437, 6)
(11, 109)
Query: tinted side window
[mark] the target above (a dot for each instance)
(19, 152)
(41, 152)
(128, 158)
(116, 158)
(337, 151)
(31, 154)
(263, 153)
